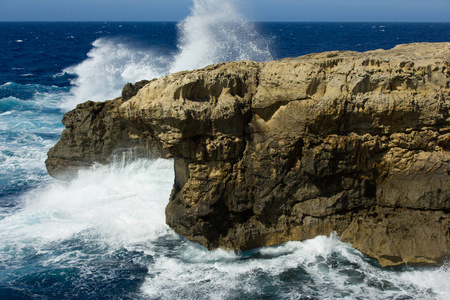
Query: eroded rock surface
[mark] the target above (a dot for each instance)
(357, 143)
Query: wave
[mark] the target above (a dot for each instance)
(30, 91)
(107, 208)
(9, 104)
(29, 126)
(320, 268)
(110, 221)
(124, 212)
(83, 238)
(215, 31)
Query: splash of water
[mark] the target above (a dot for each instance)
(111, 213)
(215, 31)
(100, 202)
(92, 234)
(109, 66)
(320, 268)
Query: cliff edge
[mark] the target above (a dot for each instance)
(356, 143)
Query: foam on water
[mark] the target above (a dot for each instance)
(87, 232)
(29, 126)
(124, 204)
(104, 210)
(215, 31)
(321, 268)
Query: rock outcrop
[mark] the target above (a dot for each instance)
(356, 143)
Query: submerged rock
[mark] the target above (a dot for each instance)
(356, 143)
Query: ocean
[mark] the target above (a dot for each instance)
(103, 235)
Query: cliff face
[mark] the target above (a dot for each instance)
(357, 143)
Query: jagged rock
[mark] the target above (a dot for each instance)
(356, 143)
(130, 90)
(96, 133)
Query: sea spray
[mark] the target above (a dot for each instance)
(112, 63)
(121, 206)
(95, 234)
(214, 32)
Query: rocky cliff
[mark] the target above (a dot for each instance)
(356, 143)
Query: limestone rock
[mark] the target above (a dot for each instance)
(96, 133)
(130, 90)
(356, 143)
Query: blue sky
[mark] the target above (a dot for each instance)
(259, 10)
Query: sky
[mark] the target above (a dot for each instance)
(255, 10)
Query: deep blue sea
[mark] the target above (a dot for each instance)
(103, 235)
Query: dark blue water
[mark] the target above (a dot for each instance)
(34, 52)
(103, 236)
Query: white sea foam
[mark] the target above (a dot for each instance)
(215, 31)
(28, 129)
(110, 64)
(121, 206)
(322, 268)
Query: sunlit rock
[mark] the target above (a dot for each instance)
(356, 143)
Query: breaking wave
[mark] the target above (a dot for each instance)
(106, 229)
